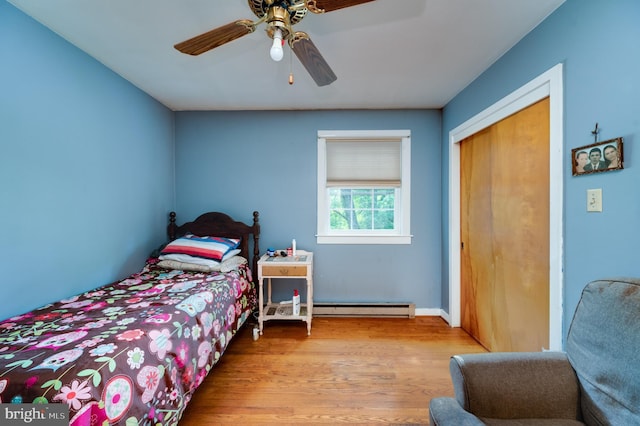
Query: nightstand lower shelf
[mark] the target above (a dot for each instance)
(277, 311)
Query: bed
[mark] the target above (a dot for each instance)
(134, 351)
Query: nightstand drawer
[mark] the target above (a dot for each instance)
(284, 271)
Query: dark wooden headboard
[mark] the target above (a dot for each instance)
(216, 224)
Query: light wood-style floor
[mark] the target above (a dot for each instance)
(350, 370)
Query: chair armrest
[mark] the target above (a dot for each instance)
(447, 412)
(516, 385)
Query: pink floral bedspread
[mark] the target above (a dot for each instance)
(129, 353)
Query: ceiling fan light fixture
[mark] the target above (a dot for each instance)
(276, 51)
(280, 16)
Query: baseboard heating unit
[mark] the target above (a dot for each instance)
(390, 310)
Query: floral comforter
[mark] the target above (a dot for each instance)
(129, 353)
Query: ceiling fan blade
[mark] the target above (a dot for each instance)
(310, 56)
(216, 37)
(322, 6)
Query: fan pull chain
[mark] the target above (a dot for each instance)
(290, 66)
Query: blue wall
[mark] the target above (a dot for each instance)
(597, 41)
(86, 169)
(88, 166)
(239, 162)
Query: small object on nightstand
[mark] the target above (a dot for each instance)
(296, 302)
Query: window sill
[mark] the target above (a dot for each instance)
(363, 239)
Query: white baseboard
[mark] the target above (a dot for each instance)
(390, 310)
(433, 312)
(395, 310)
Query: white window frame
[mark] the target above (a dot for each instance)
(402, 233)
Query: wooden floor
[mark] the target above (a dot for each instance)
(350, 370)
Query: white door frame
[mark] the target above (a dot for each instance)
(547, 84)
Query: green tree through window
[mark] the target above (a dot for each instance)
(362, 208)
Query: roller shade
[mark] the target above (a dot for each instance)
(364, 162)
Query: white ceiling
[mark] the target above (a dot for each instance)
(387, 54)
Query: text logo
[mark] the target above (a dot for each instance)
(34, 414)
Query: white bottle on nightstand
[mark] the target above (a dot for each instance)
(296, 302)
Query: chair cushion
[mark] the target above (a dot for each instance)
(603, 347)
(516, 385)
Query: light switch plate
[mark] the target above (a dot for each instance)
(594, 200)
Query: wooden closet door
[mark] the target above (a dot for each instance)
(505, 232)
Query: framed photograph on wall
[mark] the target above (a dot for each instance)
(597, 157)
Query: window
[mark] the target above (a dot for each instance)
(364, 187)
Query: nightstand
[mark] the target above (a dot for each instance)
(299, 266)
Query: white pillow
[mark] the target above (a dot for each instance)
(227, 265)
(232, 263)
(183, 266)
(185, 258)
(230, 254)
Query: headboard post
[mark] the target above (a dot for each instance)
(171, 228)
(256, 242)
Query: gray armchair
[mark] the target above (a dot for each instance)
(596, 382)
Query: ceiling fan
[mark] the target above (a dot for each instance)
(280, 17)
